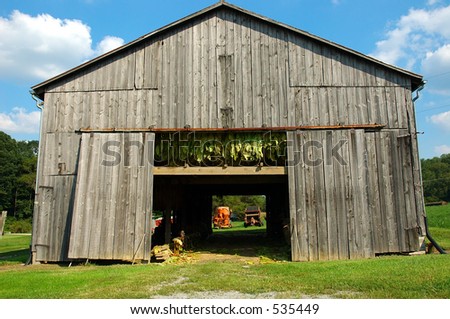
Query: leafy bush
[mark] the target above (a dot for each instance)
(18, 225)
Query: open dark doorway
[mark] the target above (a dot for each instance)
(191, 201)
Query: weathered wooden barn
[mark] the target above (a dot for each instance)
(349, 185)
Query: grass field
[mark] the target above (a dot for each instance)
(239, 226)
(14, 249)
(439, 224)
(268, 275)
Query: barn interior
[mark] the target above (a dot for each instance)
(188, 200)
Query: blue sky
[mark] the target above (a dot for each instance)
(39, 39)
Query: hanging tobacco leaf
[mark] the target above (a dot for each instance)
(216, 149)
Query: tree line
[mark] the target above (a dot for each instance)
(436, 178)
(238, 203)
(18, 163)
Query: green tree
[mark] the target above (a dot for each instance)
(436, 178)
(238, 203)
(9, 168)
(18, 161)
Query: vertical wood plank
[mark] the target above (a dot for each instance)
(317, 69)
(364, 230)
(139, 74)
(379, 238)
(283, 79)
(391, 107)
(331, 195)
(148, 195)
(97, 200)
(256, 74)
(318, 140)
(411, 225)
(187, 76)
(354, 249)
(383, 237)
(399, 193)
(298, 213)
(2, 222)
(310, 198)
(212, 75)
(309, 64)
(337, 68)
(80, 204)
(247, 74)
(296, 253)
(111, 193)
(327, 66)
(386, 180)
(45, 208)
(341, 178)
(342, 106)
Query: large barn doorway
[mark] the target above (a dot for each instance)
(189, 200)
(192, 167)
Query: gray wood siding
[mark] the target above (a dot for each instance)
(113, 199)
(266, 75)
(351, 194)
(53, 213)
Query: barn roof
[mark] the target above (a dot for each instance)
(40, 88)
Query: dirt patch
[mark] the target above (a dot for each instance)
(204, 257)
(208, 257)
(218, 295)
(242, 247)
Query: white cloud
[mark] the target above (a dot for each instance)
(442, 120)
(39, 47)
(442, 149)
(19, 121)
(438, 63)
(108, 43)
(415, 34)
(420, 41)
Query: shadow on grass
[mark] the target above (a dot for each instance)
(246, 243)
(15, 256)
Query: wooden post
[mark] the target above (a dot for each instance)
(168, 225)
(2, 222)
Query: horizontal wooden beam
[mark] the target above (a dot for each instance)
(265, 170)
(237, 129)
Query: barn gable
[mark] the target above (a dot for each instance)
(231, 13)
(222, 58)
(225, 68)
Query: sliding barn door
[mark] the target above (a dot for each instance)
(328, 195)
(113, 197)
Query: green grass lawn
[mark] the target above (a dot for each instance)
(384, 277)
(426, 276)
(14, 249)
(239, 226)
(439, 224)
